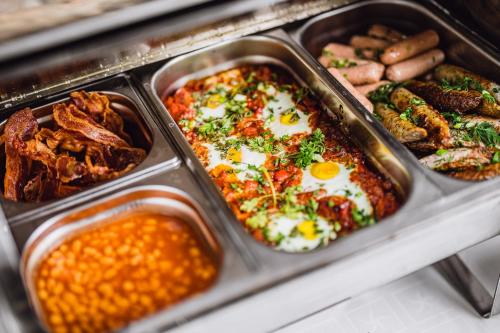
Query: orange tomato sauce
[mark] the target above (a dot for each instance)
(106, 277)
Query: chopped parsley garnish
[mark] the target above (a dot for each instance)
(250, 205)
(259, 220)
(496, 157)
(383, 94)
(441, 152)
(215, 128)
(341, 63)
(262, 144)
(466, 83)
(485, 132)
(300, 93)
(310, 150)
(361, 218)
(454, 118)
(406, 114)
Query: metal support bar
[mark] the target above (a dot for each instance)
(454, 270)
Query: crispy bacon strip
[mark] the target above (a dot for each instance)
(20, 126)
(72, 119)
(98, 106)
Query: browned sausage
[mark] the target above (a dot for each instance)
(410, 47)
(414, 67)
(422, 114)
(403, 130)
(363, 74)
(365, 42)
(457, 158)
(460, 101)
(362, 99)
(367, 88)
(383, 32)
(488, 172)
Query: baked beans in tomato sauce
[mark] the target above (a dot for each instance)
(104, 278)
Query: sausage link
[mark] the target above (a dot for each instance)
(410, 47)
(365, 42)
(414, 67)
(363, 74)
(403, 130)
(422, 114)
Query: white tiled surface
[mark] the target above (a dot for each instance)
(420, 302)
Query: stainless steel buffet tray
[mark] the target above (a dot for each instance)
(438, 217)
(408, 17)
(137, 121)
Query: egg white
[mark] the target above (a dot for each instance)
(248, 157)
(283, 226)
(273, 110)
(338, 185)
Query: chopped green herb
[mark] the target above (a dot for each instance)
(310, 150)
(259, 220)
(361, 218)
(441, 152)
(496, 157)
(485, 132)
(382, 94)
(250, 205)
(406, 114)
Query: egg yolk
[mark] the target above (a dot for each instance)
(325, 170)
(308, 229)
(219, 169)
(289, 119)
(234, 155)
(214, 101)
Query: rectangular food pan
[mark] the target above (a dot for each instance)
(138, 123)
(269, 50)
(142, 206)
(460, 47)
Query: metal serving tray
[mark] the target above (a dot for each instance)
(460, 47)
(138, 123)
(163, 200)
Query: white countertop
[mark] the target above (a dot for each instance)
(420, 302)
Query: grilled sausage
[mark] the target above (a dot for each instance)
(365, 42)
(422, 114)
(403, 130)
(453, 74)
(340, 51)
(367, 88)
(414, 67)
(488, 172)
(363, 74)
(383, 32)
(342, 80)
(459, 139)
(348, 52)
(445, 100)
(474, 120)
(457, 158)
(409, 47)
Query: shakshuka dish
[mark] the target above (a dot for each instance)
(285, 168)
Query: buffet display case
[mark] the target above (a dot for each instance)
(136, 69)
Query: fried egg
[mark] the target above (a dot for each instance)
(334, 179)
(283, 118)
(238, 159)
(298, 233)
